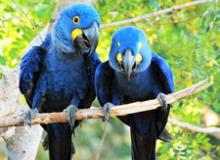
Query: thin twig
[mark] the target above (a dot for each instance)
(155, 14)
(194, 127)
(214, 131)
(102, 141)
(95, 113)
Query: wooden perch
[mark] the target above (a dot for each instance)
(95, 113)
(155, 14)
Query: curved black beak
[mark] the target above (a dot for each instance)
(128, 62)
(92, 35)
(87, 39)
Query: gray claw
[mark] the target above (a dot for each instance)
(29, 115)
(162, 99)
(107, 108)
(45, 143)
(71, 110)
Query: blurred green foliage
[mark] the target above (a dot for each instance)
(20, 21)
(188, 39)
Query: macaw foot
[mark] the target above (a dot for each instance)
(107, 108)
(162, 99)
(45, 143)
(71, 110)
(29, 115)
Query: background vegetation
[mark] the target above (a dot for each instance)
(188, 39)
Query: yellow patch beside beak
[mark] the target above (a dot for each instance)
(138, 58)
(119, 57)
(76, 32)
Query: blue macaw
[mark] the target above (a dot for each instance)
(59, 74)
(135, 73)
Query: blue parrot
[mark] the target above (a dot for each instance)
(59, 74)
(135, 73)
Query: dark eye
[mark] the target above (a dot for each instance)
(76, 19)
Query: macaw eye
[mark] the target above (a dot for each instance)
(76, 19)
(138, 58)
(119, 57)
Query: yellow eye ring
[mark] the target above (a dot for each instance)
(76, 19)
(138, 58)
(119, 57)
(139, 45)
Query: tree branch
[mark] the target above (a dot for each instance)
(214, 131)
(155, 14)
(95, 113)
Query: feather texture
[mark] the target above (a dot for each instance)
(149, 78)
(58, 74)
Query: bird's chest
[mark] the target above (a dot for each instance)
(66, 78)
(138, 87)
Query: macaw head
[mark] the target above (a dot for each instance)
(130, 51)
(76, 30)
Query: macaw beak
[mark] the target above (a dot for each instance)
(86, 39)
(128, 62)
